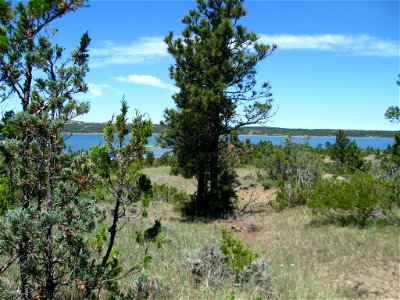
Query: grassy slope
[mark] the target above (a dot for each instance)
(303, 260)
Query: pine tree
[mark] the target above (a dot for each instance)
(346, 152)
(215, 70)
(117, 163)
(48, 218)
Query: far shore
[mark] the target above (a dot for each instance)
(274, 135)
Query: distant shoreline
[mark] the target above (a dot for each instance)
(261, 135)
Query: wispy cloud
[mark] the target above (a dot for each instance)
(147, 80)
(150, 48)
(362, 44)
(145, 49)
(97, 90)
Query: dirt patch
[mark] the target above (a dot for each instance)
(375, 279)
(254, 198)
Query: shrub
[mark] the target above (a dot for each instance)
(211, 266)
(170, 194)
(237, 255)
(167, 159)
(233, 260)
(150, 158)
(147, 286)
(232, 264)
(295, 169)
(357, 200)
(346, 152)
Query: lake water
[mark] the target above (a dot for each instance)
(85, 141)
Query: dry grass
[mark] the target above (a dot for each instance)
(162, 175)
(305, 258)
(324, 261)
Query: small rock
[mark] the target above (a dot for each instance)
(360, 241)
(252, 227)
(360, 288)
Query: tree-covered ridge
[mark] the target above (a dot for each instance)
(93, 127)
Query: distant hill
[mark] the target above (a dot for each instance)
(89, 127)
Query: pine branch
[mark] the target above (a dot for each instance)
(8, 263)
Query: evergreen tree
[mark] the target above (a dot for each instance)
(346, 152)
(48, 218)
(215, 70)
(118, 165)
(393, 114)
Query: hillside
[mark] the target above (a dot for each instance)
(90, 127)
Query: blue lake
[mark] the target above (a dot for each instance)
(85, 141)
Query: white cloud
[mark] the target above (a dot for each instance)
(362, 44)
(150, 48)
(147, 80)
(96, 90)
(145, 49)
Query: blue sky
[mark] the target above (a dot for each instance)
(336, 65)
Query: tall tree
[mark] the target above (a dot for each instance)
(44, 230)
(215, 70)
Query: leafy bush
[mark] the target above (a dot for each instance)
(237, 255)
(167, 159)
(170, 194)
(232, 260)
(357, 200)
(211, 266)
(294, 168)
(150, 158)
(147, 286)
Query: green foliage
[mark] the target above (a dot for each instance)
(114, 269)
(215, 69)
(231, 265)
(293, 167)
(99, 239)
(4, 202)
(237, 255)
(167, 159)
(45, 233)
(118, 164)
(165, 193)
(150, 159)
(357, 200)
(346, 152)
(393, 114)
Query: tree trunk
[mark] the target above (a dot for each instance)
(214, 171)
(49, 264)
(25, 290)
(26, 190)
(201, 189)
